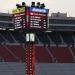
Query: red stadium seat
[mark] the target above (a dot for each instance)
(6, 55)
(12, 53)
(42, 55)
(62, 54)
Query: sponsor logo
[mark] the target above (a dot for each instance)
(19, 10)
(39, 10)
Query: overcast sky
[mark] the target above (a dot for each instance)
(54, 5)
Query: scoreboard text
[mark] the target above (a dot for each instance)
(31, 18)
(38, 18)
(19, 17)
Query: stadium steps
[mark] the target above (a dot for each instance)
(54, 60)
(5, 40)
(6, 54)
(51, 42)
(72, 53)
(11, 52)
(13, 38)
(42, 55)
(17, 50)
(18, 36)
(55, 38)
(62, 40)
(62, 54)
(73, 50)
(67, 37)
(38, 41)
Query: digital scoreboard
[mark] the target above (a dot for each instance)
(30, 18)
(38, 18)
(19, 17)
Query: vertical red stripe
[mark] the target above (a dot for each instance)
(33, 60)
(28, 58)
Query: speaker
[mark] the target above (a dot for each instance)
(42, 6)
(38, 5)
(18, 5)
(23, 4)
(33, 4)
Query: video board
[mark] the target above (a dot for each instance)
(19, 17)
(38, 18)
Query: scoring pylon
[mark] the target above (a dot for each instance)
(30, 59)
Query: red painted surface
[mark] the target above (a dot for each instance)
(30, 52)
(62, 54)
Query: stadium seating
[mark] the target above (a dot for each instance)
(43, 39)
(62, 54)
(55, 37)
(18, 51)
(6, 55)
(42, 55)
(1, 39)
(18, 37)
(12, 53)
(6, 36)
(73, 50)
(46, 38)
(6, 17)
(67, 37)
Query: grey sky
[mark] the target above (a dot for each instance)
(54, 5)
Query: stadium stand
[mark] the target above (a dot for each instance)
(42, 55)
(12, 53)
(54, 51)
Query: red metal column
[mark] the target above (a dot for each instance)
(30, 59)
(33, 60)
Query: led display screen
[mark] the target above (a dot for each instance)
(30, 37)
(38, 18)
(19, 17)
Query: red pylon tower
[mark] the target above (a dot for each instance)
(30, 59)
